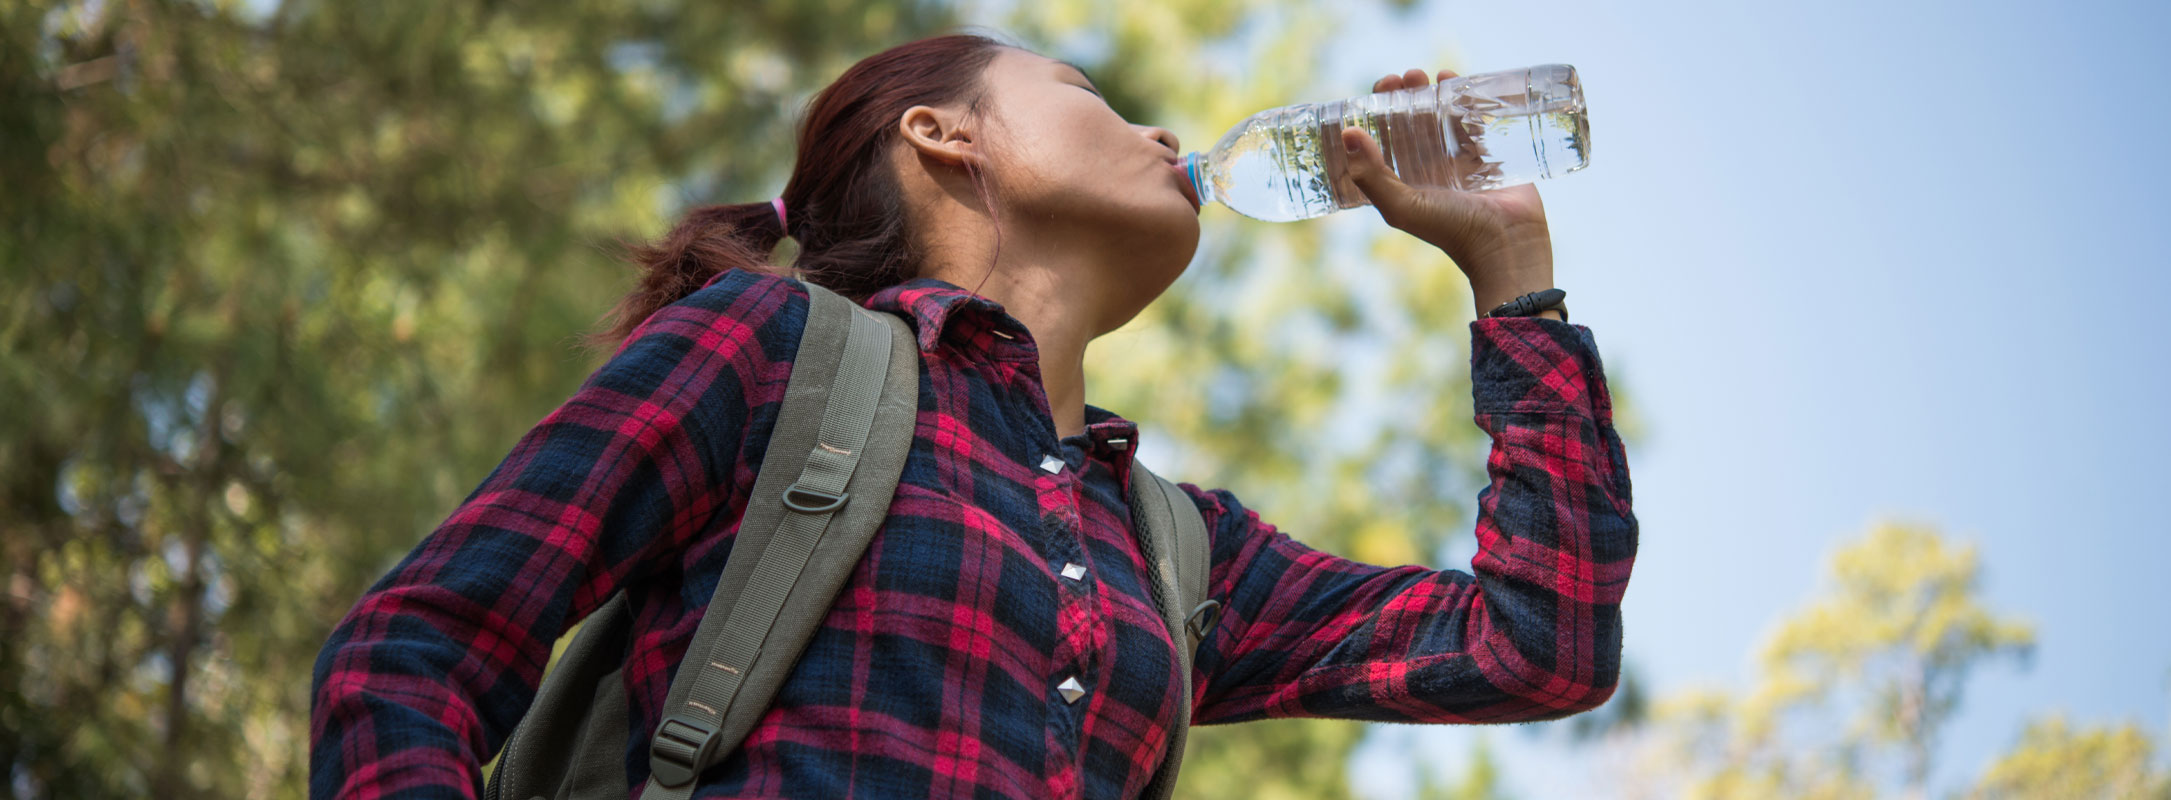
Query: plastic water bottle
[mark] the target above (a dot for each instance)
(1470, 133)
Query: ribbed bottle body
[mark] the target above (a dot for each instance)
(1470, 133)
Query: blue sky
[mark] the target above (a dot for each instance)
(1856, 260)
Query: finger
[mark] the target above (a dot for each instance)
(1414, 77)
(1446, 75)
(1387, 84)
(1368, 171)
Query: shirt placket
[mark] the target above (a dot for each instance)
(1075, 668)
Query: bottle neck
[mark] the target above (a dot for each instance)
(1194, 165)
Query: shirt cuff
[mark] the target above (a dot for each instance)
(1537, 364)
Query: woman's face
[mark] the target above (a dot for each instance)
(1057, 143)
(1066, 165)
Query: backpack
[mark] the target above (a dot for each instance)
(846, 425)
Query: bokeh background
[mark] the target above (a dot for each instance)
(1873, 281)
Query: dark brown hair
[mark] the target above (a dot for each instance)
(843, 202)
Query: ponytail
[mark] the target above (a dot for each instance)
(844, 199)
(708, 241)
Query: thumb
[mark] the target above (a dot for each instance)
(1368, 170)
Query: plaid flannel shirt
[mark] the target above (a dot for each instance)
(1005, 570)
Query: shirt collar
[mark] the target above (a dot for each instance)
(1111, 439)
(1112, 436)
(941, 310)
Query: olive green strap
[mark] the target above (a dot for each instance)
(788, 560)
(1174, 537)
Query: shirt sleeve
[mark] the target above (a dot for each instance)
(1532, 632)
(427, 675)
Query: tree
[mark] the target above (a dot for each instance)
(2053, 760)
(1886, 650)
(286, 280)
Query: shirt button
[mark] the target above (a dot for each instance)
(1052, 464)
(1071, 689)
(1073, 571)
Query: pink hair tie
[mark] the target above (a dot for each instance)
(779, 204)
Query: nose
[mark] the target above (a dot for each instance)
(1164, 136)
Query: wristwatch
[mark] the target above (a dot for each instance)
(1530, 304)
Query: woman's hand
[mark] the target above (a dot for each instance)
(1498, 237)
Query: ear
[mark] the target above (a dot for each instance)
(938, 134)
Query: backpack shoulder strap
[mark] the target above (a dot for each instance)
(1174, 537)
(826, 482)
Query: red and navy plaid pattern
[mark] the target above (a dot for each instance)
(936, 674)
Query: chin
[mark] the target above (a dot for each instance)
(1182, 246)
(1144, 281)
(1170, 229)
(1162, 261)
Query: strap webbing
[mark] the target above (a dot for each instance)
(688, 740)
(1174, 537)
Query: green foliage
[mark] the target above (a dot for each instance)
(282, 289)
(1275, 759)
(1854, 689)
(1904, 628)
(2053, 760)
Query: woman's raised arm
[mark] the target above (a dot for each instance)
(1534, 633)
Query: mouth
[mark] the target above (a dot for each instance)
(1183, 183)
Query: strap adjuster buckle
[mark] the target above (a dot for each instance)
(675, 753)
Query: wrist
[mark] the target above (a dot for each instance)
(1553, 314)
(1487, 301)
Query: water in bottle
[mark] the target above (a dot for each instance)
(1469, 133)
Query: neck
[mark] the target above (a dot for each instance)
(1053, 294)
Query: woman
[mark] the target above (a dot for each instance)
(997, 638)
